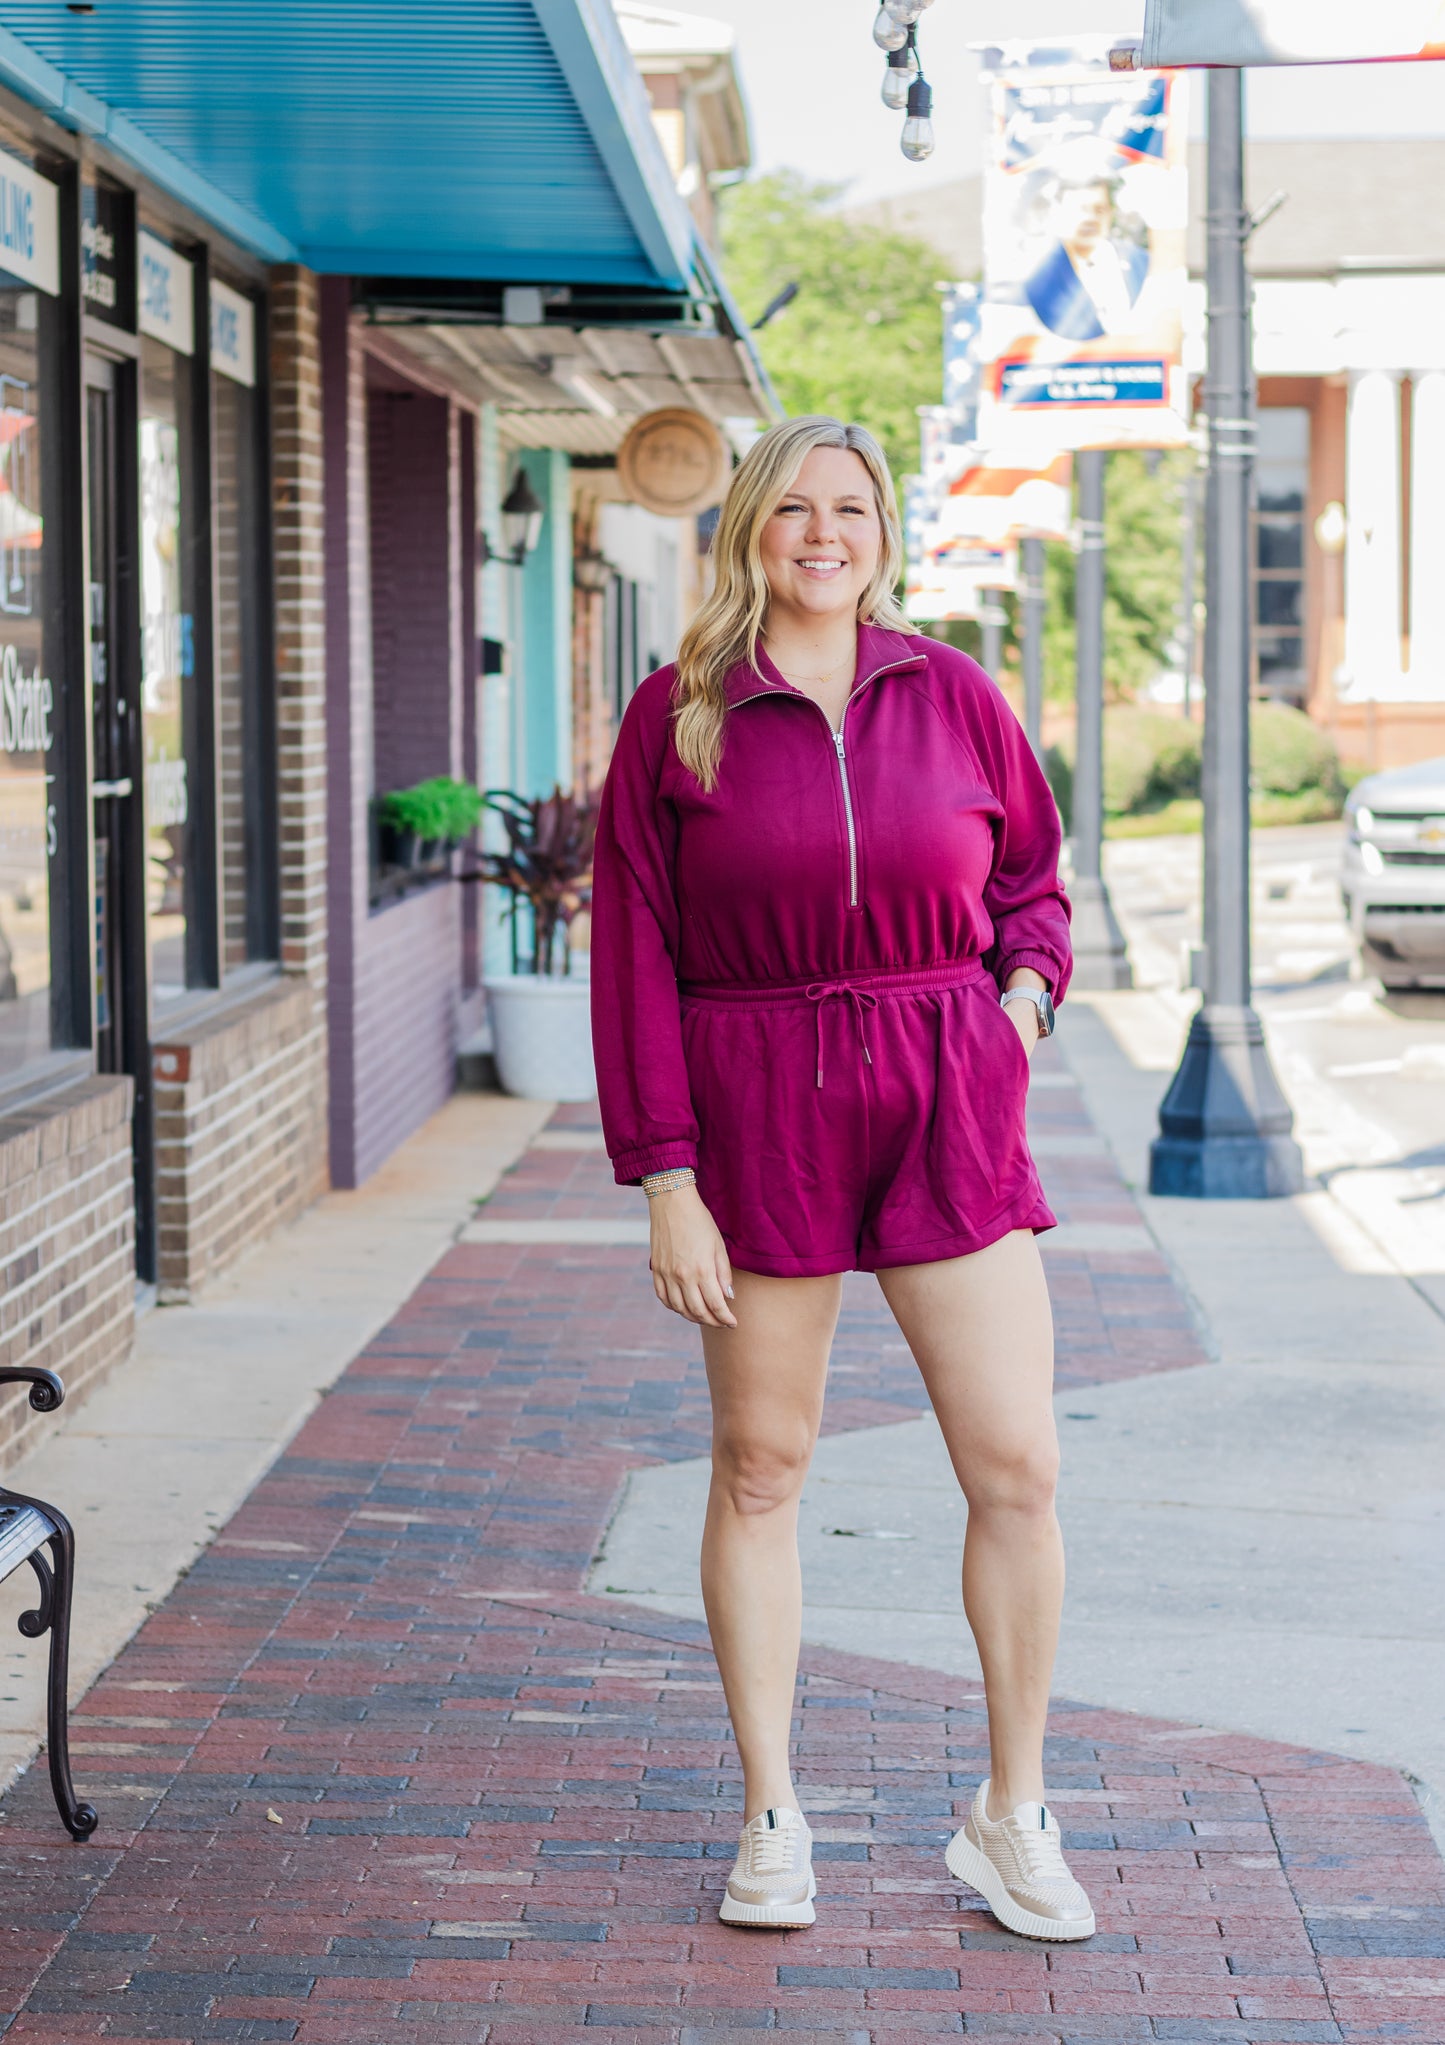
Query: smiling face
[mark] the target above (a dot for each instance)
(820, 545)
(1083, 217)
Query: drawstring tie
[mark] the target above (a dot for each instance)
(826, 990)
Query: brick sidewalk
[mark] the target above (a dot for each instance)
(377, 1773)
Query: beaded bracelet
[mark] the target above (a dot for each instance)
(663, 1182)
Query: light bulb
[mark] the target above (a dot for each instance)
(916, 141)
(904, 11)
(888, 33)
(898, 78)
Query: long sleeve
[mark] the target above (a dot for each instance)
(647, 1115)
(1024, 896)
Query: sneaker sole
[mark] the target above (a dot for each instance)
(782, 1915)
(974, 1867)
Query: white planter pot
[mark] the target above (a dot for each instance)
(542, 1036)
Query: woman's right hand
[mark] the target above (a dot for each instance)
(690, 1269)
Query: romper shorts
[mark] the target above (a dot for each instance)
(858, 1123)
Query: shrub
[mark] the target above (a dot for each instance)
(1149, 759)
(1289, 754)
(1059, 772)
(438, 808)
(1152, 759)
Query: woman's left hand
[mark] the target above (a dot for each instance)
(1025, 1019)
(1024, 1015)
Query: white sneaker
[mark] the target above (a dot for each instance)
(772, 1878)
(1017, 1866)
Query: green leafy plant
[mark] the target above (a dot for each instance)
(547, 862)
(441, 808)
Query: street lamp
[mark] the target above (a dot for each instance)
(1224, 1124)
(522, 515)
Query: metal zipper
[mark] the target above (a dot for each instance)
(848, 813)
(840, 749)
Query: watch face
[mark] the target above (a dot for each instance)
(1046, 1014)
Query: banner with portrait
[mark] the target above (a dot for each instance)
(1085, 212)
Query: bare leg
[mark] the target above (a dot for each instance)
(766, 1376)
(981, 1330)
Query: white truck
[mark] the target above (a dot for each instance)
(1393, 878)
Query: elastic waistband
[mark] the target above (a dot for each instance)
(875, 981)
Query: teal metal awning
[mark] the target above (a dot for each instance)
(506, 139)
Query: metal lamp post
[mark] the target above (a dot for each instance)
(1101, 958)
(1224, 1125)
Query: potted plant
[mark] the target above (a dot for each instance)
(541, 1019)
(414, 824)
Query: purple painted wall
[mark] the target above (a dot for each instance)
(409, 469)
(394, 621)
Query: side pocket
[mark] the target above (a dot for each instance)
(989, 994)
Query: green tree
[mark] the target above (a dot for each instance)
(863, 339)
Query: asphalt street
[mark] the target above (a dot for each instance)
(1365, 1072)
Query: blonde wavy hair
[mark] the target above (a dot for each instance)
(727, 625)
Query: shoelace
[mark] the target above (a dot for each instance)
(770, 1851)
(1042, 1853)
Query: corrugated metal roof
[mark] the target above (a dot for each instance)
(445, 138)
(578, 389)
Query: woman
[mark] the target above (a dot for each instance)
(827, 929)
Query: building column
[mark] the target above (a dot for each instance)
(1427, 531)
(545, 701)
(1372, 540)
(299, 569)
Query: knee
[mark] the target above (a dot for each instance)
(759, 1476)
(1020, 1481)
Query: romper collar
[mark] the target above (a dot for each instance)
(878, 651)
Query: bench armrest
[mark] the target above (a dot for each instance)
(46, 1390)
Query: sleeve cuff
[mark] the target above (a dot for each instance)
(1038, 960)
(630, 1167)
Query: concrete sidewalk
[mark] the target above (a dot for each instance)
(163, 1453)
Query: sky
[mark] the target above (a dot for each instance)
(811, 74)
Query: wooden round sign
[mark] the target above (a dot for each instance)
(674, 462)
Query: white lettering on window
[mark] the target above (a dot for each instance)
(26, 703)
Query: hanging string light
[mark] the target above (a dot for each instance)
(901, 71)
(905, 89)
(916, 141)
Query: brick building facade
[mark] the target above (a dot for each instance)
(263, 385)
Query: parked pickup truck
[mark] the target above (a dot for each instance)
(1393, 879)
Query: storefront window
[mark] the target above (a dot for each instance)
(30, 651)
(242, 744)
(167, 662)
(1282, 486)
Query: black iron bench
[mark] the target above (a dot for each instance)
(27, 1529)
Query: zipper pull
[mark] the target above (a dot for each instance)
(838, 742)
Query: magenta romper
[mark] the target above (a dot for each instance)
(796, 978)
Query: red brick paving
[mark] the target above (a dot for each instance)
(378, 1773)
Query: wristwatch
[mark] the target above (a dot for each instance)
(1042, 1001)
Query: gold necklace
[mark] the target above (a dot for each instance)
(826, 676)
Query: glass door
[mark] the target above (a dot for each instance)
(122, 1031)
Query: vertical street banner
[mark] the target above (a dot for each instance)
(1085, 212)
